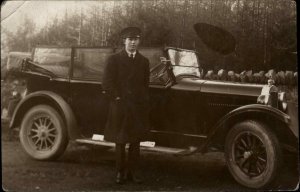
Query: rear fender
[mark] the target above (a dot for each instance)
(52, 99)
(263, 113)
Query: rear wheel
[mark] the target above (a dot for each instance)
(252, 154)
(43, 134)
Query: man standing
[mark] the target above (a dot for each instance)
(126, 79)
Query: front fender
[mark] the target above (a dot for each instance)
(257, 108)
(256, 111)
(46, 97)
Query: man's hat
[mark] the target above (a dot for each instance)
(131, 32)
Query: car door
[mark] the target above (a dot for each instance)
(178, 115)
(88, 101)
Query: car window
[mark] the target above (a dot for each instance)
(15, 60)
(184, 62)
(153, 54)
(56, 60)
(89, 63)
(159, 75)
(158, 72)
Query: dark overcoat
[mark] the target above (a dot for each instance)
(128, 118)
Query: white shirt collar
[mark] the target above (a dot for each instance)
(129, 53)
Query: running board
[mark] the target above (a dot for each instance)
(153, 149)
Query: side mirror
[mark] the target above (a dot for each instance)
(164, 60)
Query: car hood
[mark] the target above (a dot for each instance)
(218, 87)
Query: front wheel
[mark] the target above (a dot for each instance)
(252, 154)
(43, 134)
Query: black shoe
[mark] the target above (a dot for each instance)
(130, 176)
(120, 178)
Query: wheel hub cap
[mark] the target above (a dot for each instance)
(249, 154)
(43, 133)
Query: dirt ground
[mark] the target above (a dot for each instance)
(92, 169)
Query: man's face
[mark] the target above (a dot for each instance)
(131, 43)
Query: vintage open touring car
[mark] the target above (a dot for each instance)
(64, 101)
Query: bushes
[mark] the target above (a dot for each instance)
(288, 78)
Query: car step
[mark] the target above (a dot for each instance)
(144, 148)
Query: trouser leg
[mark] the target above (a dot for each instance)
(120, 157)
(133, 156)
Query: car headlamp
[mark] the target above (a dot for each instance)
(282, 101)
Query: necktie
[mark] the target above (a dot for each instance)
(131, 58)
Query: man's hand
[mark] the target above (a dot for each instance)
(118, 98)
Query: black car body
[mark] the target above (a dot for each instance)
(186, 110)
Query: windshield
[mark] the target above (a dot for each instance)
(184, 62)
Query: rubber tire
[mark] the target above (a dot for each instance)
(273, 152)
(61, 141)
